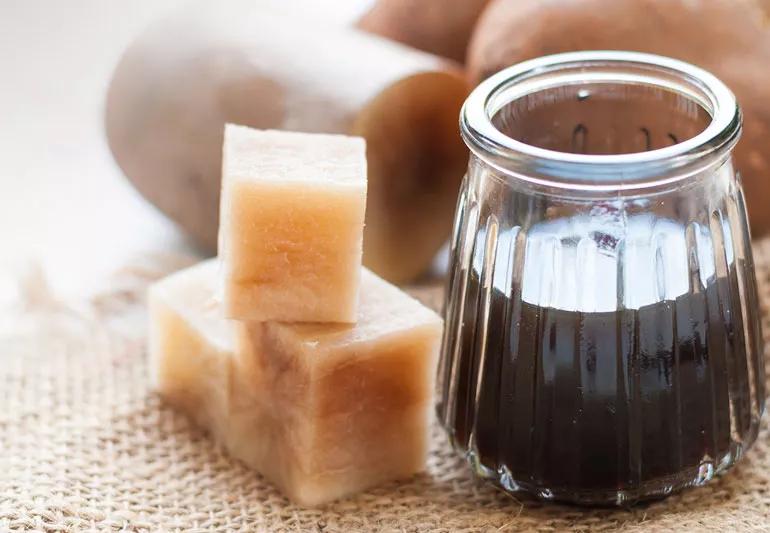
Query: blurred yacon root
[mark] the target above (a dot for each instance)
(188, 75)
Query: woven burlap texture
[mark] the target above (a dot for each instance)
(86, 446)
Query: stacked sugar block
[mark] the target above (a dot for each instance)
(303, 364)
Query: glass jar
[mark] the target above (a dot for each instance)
(602, 338)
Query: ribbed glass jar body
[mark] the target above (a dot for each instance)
(602, 338)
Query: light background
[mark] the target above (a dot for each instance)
(63, 201)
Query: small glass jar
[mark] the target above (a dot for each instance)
(602, 338)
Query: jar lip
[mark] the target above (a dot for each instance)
(602, 172)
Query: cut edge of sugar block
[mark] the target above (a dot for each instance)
(187, 341)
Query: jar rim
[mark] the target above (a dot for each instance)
(650, 168)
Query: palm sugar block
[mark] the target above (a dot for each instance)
(321, 410)
(291, 225)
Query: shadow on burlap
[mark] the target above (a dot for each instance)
(85, 445)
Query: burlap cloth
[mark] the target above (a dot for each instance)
(84, 445)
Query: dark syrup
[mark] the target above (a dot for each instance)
(600, 402)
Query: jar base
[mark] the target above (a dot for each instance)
(654, 489)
